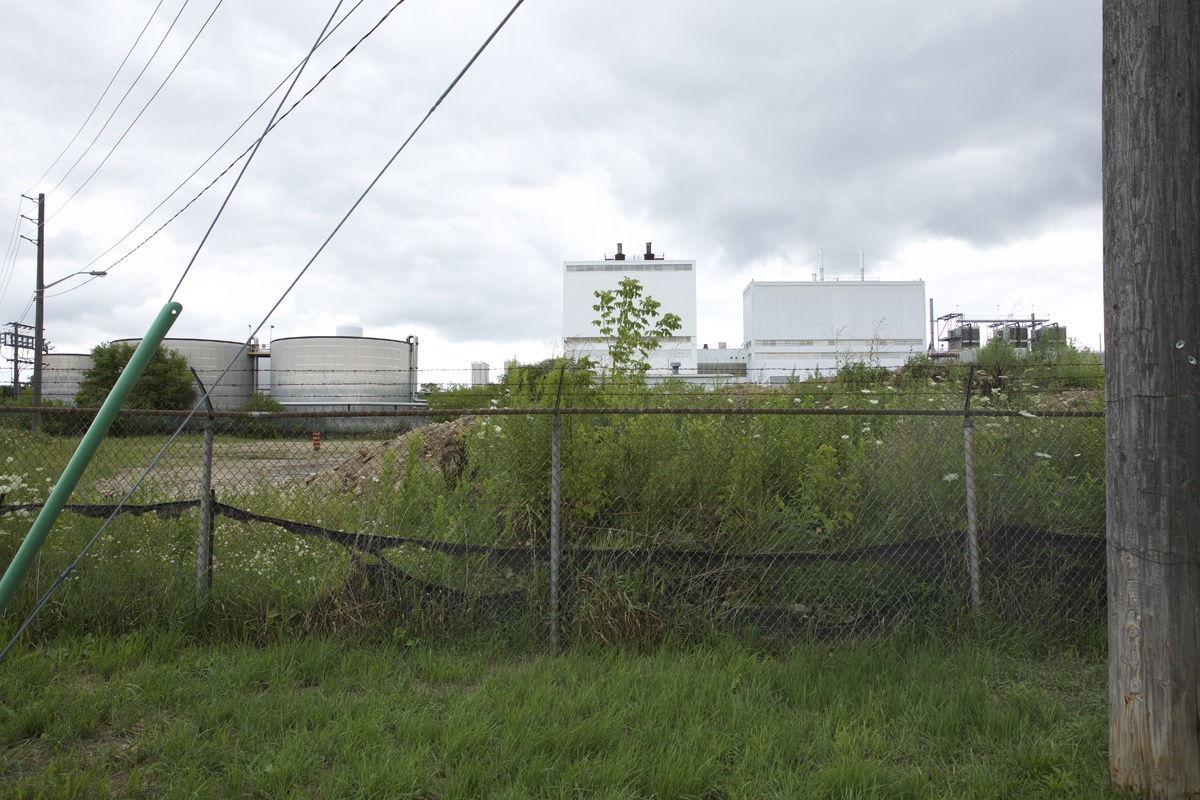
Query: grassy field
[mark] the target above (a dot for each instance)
(162, 714)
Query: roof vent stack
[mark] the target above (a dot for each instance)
(620, 256)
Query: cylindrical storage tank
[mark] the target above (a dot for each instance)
(209, 357)
(349, 329)
(479, 373)
(342, 370)
(61, 374)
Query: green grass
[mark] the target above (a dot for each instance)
(164, 715)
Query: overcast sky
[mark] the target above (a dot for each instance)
(953, 142)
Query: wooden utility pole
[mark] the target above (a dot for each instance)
(39, 297)
(1151, 103)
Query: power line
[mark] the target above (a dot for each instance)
(10, 254)
(250, 158)
(220, 147)
(143, 111)
(123, 98)
(381, 173)
(102, 95)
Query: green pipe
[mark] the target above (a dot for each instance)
(83, 454)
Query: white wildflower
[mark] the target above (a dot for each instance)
(10, 459)
(1027, 414)
(1077, 455)
(497, 427)
(950, 476)
(1042, 455)
(867, 429)
(878, 441)
(866, 391)
(845, 436)
(873, 402)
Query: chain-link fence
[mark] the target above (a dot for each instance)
(608, 524)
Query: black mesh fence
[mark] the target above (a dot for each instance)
(804, 518)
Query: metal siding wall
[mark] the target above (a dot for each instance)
(747, 315)
(674, 289)
(827, 310)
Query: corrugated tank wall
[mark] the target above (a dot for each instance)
(342, 370)
(61, 374)
(209, 357)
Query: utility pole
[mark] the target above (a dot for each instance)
(1151, 113)
(18, 341)
(16, 392)
(39, 298)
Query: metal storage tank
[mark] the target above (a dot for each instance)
(209, 357)
(61, 374)
(343, 371)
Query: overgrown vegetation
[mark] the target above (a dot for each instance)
(707, 483)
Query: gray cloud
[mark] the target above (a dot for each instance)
(736, 134)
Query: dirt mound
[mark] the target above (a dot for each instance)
(443, 446)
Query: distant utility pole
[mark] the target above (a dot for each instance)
(1151, 112)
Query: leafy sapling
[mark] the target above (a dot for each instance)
(631, 327)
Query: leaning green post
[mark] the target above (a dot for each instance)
(83, 454)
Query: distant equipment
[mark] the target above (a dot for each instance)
(959, 333)
(350, 329)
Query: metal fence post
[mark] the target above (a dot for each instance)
(555, 513)
(972, 521)
(555, 539)
(204, 541)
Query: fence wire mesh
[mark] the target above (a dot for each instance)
(798, 517)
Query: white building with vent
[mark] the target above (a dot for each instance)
(795, 328)
(672, 282)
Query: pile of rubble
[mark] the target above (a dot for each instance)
(443, 446)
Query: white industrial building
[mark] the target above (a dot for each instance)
(795, 328)
(671, 282)
(792, 329)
